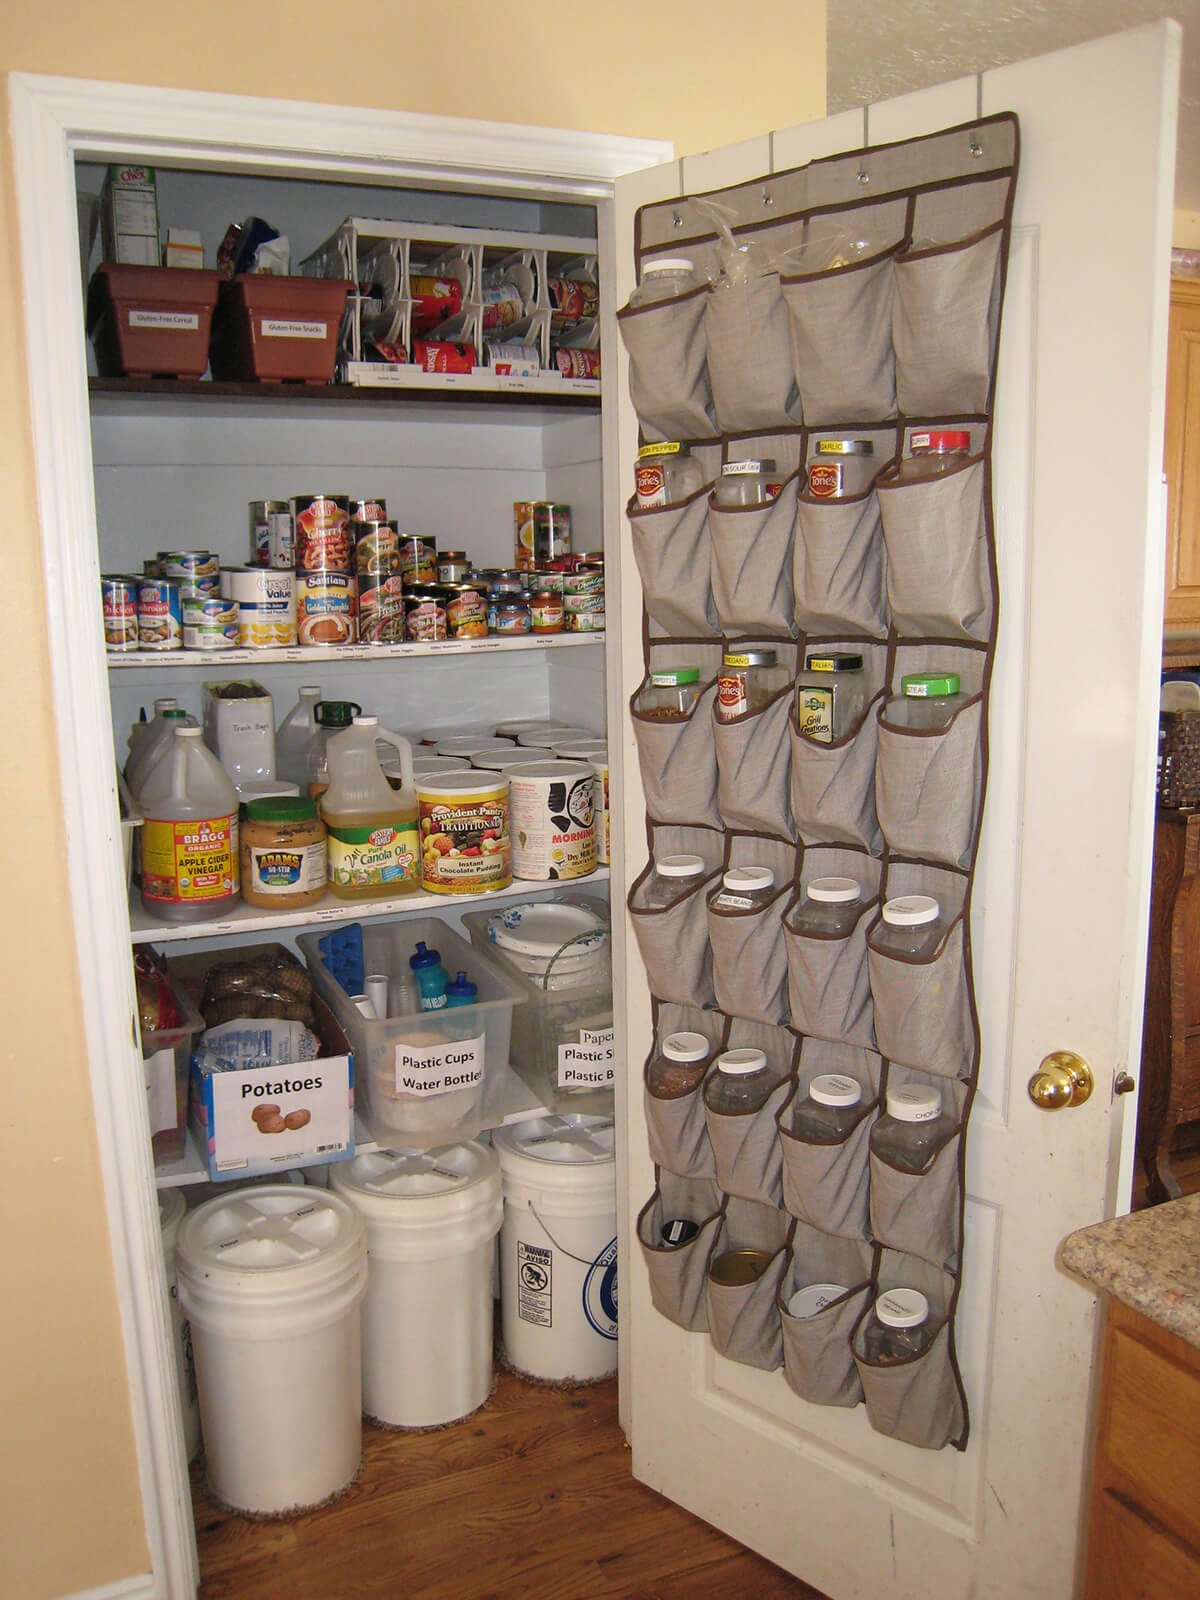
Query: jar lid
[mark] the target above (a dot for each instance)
(911, 910)
(764, 657)
(173, 714)
(664, 447)
(685, 1047)
(335, 713)
(752, 464)
(453, 555)
(738, 1062)
(921, 685)
(834, 891)
(845, 447)
(940, 439)
(669, 264)
(281, 808)
(679, 866)
(834, 661)
(749, 878)
(674, 677)
(902, 1308)
(814, 1297)
(914, 1102)
(835, 1089)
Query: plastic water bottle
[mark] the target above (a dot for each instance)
(432, 977)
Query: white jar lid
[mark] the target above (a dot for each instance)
(679, 866)
(834, 890)
(741, 1061)
(911, 910)
(835, 1089)
(669, 264)
(748, 878)
(814, 1297)
(914, 1102)
(902, 1308)
(685, 1047)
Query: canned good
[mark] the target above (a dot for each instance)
(465, 846)
(523, 532)
(119, 599)
(578, 363)
(737, 1268)
(572, 298)
(424, 614)
(546, 611)
(371, 510)
(380, 610)
(514, 360)
(586, 615)
(509, 614)
(466, 611)
(281, 541)
(434, 300)
(433, 355)
(551, 536)
(376, 546)
(326, 608)
(322, 523)
(210, 623)
(159, 615)
(416, 560)
(453, 567)
(192, 567)
(551, 581)
(584, 582)
(261, 512)
(266, 600)
(552, 807)
(502, 306)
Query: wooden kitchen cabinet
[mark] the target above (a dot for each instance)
(1181, 457)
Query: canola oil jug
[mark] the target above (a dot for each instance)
(374, 842)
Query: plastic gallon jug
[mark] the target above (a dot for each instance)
(374, 848)
(272, 1281)
(190, 835)
(431, 1218)
(293, 734)
(558, 1248)
(329, 717)
(154, 744)
(172, 1208)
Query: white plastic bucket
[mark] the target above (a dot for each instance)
(272, 1280)
(558, 1248)
(431, 1218)
(172, 1208)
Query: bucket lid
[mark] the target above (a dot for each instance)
(543, 927)
(550, 768)
(395, 1178)
(571, 1141)
(254, 1235)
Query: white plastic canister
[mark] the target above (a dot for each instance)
(172, 1208)
(431, 1219)
(558, 1248)
(272, 1280)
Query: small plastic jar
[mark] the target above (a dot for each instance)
(813, 1298)
(740, 1082)
(830, 1111)
(898, 1328)
(665, 474)
(932, 452)
(747, 681)
(751, 482)
(546, 610)
(665, 279)
(927, 700)
(744, 889)
(672, 878)
(510, 614)
(679, 1066)
(912, 926)
(914, 1129)
(452, 566)
(831, 695)
(830, 909)
(841, 468)
(669, 695)
(283, 854)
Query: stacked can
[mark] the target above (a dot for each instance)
(272, 534)
(209, 621)
(326, 585)
(118, 593)
(380, 588)
(542, 533)
(583, 595)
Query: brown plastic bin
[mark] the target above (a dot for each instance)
(278, 330)
(151, 322)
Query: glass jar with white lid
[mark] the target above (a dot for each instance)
(750, 482)
(898, 1327)
(830, 1111)
(912, 926)
(744, 889)
(673, 877)
(914, 1128)
(678, 1065)
(742, 1081)
(666, 278)
(830, 909)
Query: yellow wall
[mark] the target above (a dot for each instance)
(70, 1495)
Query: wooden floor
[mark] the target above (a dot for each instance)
(530, 1497)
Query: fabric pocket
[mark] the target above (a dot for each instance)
(748, 955)
(752, 564)
(746, 1149)
(750, 370)
(939, 579)
(839, 566)
(929, 787)
(668, 366)
(671, 547)
(947, 311)
(677, 755)
(921, 1213)
(817, 1359)
(829, 995)
(752, 768)
(678, 1273)
(825, 1184)
(673, 938)
(832, 784)
(919, 1400)
(922, 1007)
(675, 1127)
(743, 1320)
(841, 335)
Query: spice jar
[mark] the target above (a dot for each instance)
(934, 451)
(914, 1129)
(898, 1327)
(747, 681)
(665, 279)
(912, 927)
(751, 482)
(829, 1112)
(452, 566)
(741, 1082)
(665, 474)
(679, 1066)
(830, 909)
(546, 610)
(927, 700)
(841, 468)
(669, 695)
(283, 856)
(744, 889)
(672, 878)
(831, 695)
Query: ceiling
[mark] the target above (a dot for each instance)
(878, 50)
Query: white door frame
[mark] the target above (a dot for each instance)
(54, 121)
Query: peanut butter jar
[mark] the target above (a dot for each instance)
(283, 864)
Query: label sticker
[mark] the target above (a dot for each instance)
(535, 1284)
(590, 1063)
(600, 1292)
(276, 328)
(160, 1090)
(439, 1068)
(273, 1116)
(184, 321)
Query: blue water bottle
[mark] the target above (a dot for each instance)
(431, 977)
(461, 992)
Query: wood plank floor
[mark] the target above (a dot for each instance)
(530, 1497)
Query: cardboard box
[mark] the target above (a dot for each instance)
(129, 215)
(184, 248)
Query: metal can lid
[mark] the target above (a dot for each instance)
(924, 685)
(751, 658)
(834, 891)
(739, 1062)
(736, 1268)
(914, 1102)
(834, 661)
(902, 1308)
(911, 910)
(674, 677)
(751, 464)
(835, 1089)
(845, 447)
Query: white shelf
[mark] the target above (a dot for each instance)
(146, 929)
(119, 661)
(480, 380)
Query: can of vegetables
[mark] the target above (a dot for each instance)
(465, 845)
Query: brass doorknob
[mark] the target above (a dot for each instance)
(1064, 1079)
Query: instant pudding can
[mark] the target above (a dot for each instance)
(159, 615)
(119, 598)
(266, 606)
(552, 815)
(326, 608)
(465, 845)
(322, 524)
(210, 622)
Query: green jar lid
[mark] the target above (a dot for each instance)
(336, 713)
(674, 677)
(922, 685)
(281, 808)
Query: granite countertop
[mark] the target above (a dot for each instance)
(1148, 1260)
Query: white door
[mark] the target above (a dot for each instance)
(1062, 889)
